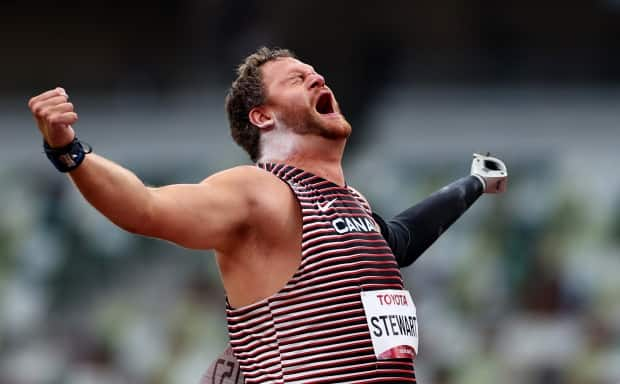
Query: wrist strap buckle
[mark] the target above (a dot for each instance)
(69, 157)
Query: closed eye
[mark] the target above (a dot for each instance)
(297, 78)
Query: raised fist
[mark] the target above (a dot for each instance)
(54, 115)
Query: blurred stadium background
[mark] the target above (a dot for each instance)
(525, 288)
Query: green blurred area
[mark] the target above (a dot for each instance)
(523, 286)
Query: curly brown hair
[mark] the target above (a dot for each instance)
(247, 92)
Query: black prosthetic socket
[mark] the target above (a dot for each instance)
(412, 231)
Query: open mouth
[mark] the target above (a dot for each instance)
(324, 104)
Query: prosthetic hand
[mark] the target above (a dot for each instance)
(491, 172)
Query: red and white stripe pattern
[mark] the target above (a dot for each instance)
(314, 329)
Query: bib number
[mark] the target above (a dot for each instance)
(392, 320)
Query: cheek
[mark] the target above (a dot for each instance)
(294, 98)
(294, 106)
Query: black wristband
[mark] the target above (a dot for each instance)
(69, 157)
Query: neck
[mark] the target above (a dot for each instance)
(316, 154)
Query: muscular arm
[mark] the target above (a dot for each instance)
(207, 215)
(412, 231)
(200, 216)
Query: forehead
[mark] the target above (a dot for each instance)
(280, 68)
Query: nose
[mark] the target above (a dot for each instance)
(316, 80)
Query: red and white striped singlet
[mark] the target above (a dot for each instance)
(314, 329)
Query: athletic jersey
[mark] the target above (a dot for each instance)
(314, 330)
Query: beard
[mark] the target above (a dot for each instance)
(305, 122)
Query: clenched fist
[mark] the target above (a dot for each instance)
(54, 115)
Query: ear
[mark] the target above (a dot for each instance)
(261, 117)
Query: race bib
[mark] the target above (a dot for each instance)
(393, 324)
(225, 370)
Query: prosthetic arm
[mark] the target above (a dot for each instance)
(412, 231)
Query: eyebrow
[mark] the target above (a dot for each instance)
(301, 68)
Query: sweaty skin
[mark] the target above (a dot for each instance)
(248, 216)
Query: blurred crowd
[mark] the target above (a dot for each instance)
(82, 302)
(523, 288)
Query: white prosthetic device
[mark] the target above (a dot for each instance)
(491, 172)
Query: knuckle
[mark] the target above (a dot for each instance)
(38, 110)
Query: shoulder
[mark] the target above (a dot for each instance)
(253, 184)
(250, 177)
